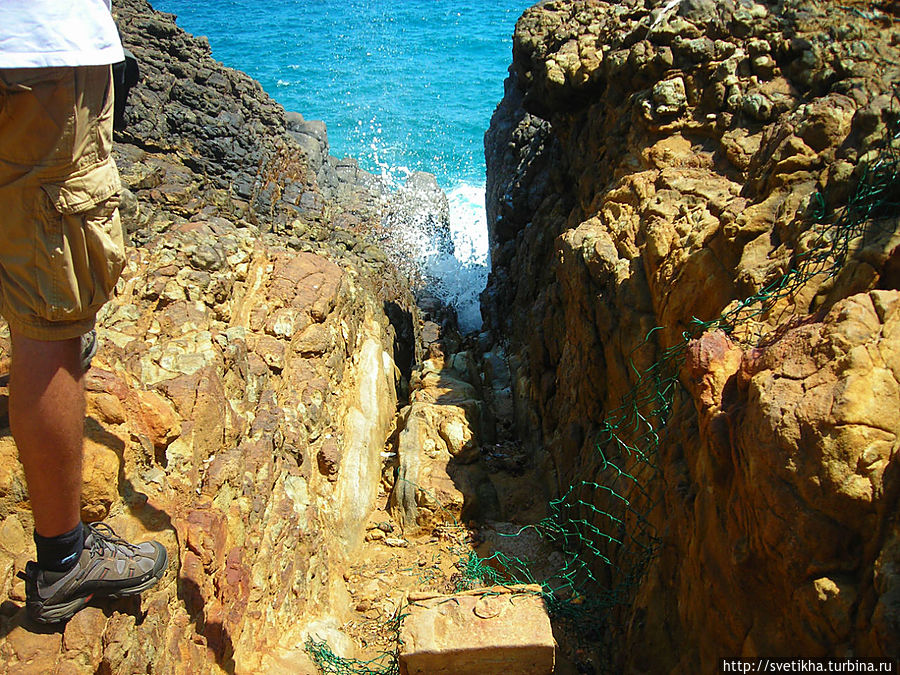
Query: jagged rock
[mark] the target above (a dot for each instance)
(101, 478)
(311, 136)
(812, 444)
(329, 459)
(243, 390)
(439, 436)
(220, 123)
(655, 163)
(211, 443)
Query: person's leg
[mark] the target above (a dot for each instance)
(49, 295)
(46, 416)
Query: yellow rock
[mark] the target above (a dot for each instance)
(101, 480)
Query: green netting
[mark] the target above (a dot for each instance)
(385, 663)
(331, 664)
(601, 527)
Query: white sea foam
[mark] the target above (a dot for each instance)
(465, 278)
(344, 67)
(468, 223)
(456, 276)
(461, 278)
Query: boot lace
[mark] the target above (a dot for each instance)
(103, 538)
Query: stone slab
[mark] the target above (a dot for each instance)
(489, 631)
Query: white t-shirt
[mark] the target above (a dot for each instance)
(43, 33)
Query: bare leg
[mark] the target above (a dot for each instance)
(46, 415)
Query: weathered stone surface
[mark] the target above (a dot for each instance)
(189, 444)
(653, 163)
(805, 450)
(246, 382)
(101, 479)
(247, 340)
(205, 138)
(237, 135)
(486, 632)
(439, 437)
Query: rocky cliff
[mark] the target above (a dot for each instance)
(653, 166)
(246, 382)
(679, 219)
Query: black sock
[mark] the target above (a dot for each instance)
(60, 553)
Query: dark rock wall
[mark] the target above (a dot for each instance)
(203, 140)
(222, 124)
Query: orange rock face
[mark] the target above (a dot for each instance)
(656, 164)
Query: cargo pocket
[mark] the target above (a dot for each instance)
(82, 253)
(37, 108)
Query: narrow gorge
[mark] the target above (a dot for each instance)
(679, 420)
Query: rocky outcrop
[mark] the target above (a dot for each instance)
(273, 166)
(243, 406)
(439, 438)
(226, 373)
(798, 466)
(651, 165)
(246, 383)
(219, 121)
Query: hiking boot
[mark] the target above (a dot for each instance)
(88, 348)
(108, 567)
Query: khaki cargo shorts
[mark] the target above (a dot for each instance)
(61, 247)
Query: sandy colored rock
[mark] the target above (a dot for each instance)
(487, 632)
(678, 179)
(241, 340)
(80, 637)
(100, 488)
(34, 650)
(328, 459)
(439, 437)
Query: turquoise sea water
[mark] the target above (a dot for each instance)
(402, 85)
